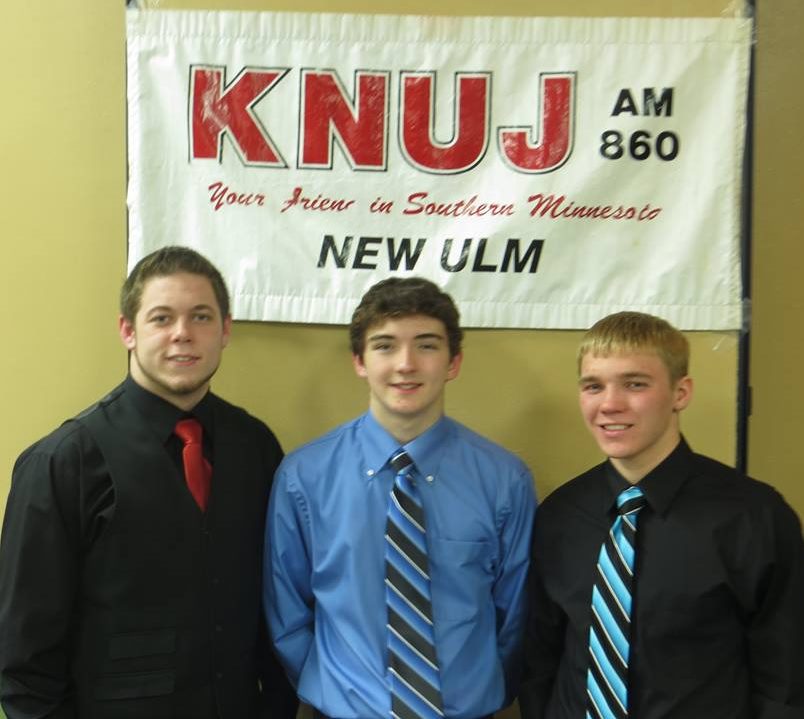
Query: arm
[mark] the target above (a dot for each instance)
(287, 590)
(775, 632)
(544, 638)
(39, 570)
(509, 590)
(279, 699)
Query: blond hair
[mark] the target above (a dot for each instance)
(637, 332)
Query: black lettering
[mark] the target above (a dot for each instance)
(328, 246)
(534, 253)
(461, 263)
(364, 250)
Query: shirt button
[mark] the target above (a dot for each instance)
(370, 472)
(218, 675)
(218, 628)
(429, 478)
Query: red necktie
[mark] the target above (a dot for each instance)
(197, 471)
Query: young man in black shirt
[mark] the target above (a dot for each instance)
(704, 616)
(131, 554)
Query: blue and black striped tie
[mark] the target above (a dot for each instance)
(412, 661)
(610, 631)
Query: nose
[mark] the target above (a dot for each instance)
(181, 330)
(405, 361)
(611, 400)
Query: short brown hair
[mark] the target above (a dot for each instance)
(633, 332)
(402, 297)
(170, 261)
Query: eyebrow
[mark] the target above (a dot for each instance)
(423, 336)
(168, 308)
(624, 375)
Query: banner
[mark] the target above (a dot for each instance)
(544, 171)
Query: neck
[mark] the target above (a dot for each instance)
(404, 430)
(634, 469)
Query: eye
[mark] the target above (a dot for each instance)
(202, 317)
(590, 387)
(159, 320)
(636, 384)
(381, 346)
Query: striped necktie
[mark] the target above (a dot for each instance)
(412, 662)
(609, 634)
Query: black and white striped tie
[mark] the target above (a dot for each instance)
(412, 661)
(610, 631)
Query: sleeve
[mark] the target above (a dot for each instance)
(544, 636)
(509, 592)
(287, 586)
(775, 632)
(279, 699)
(39, 571)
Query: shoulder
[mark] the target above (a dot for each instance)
(241, 420)
(585, 493)
(316, 452)
(484, 451)
(63, 441)
(719, 483)
(58, 460)
(71, 437)
(318, 455)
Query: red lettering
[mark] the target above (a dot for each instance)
(328, 115)
(218, 110)
(220, 195)
(556, 108)
(470, 133)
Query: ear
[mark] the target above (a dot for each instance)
(683, 393)
(127, 333)
(227, 330)
(359, 365)
(454, 366)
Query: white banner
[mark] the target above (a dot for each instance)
(544, 171)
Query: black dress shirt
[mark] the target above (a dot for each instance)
(718, 614)
(62, 504)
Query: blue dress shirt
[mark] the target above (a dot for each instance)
(324, 590)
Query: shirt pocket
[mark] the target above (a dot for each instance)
(134, 685)
(138, 664)
(142, 644)
(461, 576)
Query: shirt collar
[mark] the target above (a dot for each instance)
(378, 446)
(161, 416)
(661, 485)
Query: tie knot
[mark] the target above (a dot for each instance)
(189, 431)
(400, 461)
(630, 500)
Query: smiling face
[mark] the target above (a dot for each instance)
(631, 407)
(407, 363)
(176, 338)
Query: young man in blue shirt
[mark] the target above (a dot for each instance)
(708, 621)
(328, 574)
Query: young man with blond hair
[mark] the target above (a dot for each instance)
(664, 584)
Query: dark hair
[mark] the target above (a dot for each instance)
(633, 332)
(403, 297)
(170, 261)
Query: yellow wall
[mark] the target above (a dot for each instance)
(777, 344)
(63, 219)
(64, 257)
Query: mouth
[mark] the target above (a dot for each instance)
(612, 427)
(183, 359)
(406, 386)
